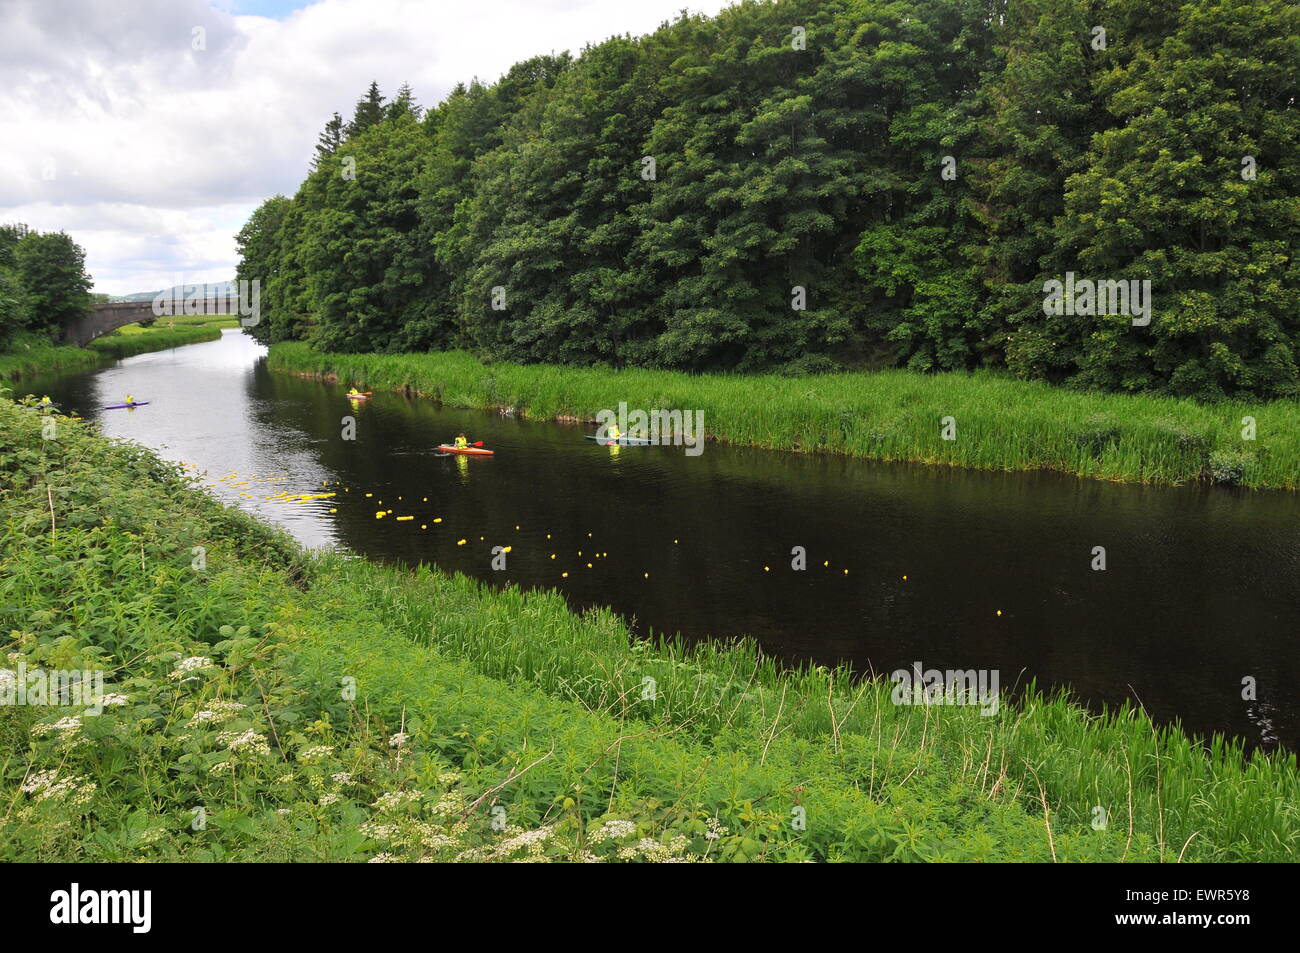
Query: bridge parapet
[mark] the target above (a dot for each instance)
(104, 318)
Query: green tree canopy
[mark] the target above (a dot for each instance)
(808, 184)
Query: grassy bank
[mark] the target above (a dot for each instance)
(119, 345)
(264, 704)
(1000, 423)
(168, 322)
(33, 354)
(30, 354)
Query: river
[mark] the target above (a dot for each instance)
(956, 569)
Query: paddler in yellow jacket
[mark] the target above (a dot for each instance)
(614, 432)
(460, 443)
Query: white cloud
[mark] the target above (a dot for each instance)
(152, 153)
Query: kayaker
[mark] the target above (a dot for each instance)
(130, 401)
(461, 443)
(45, 401)
(614, 433)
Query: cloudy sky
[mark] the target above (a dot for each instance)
(149, 129)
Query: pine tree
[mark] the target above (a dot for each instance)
(329, 140)
(368, 112)
(403, 104)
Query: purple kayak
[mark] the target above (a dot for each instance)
(138, 403)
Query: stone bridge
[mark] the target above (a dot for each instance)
(104, 318)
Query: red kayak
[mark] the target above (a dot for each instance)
(468, 451)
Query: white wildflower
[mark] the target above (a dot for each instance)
(434, 839)
(394, 799)
(39, 780)
(530, 839)
(47, 785)
(68, 728)
(315, 753)
(217, 711)
(614, 830)
(652, 850)
(248, 739)
(186, 666)
(449, 803)
(378, 831)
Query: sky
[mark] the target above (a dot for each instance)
(150, 129)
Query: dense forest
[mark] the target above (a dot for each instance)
(806, 185)
(43, 282)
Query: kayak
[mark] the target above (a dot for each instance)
(468, 451)
(138, 403)
(621, 441)
(358, 396)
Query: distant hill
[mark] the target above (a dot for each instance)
(217, 289)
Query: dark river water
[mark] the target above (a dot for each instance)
(904, 563)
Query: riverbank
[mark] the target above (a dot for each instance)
(997, 422)
(153, 339)
(314, 707)
(32, 354)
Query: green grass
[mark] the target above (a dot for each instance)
(169, 322)
(28, 354)
(31, 354)
(509, 702)
(141, 340)
(1001, 423)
